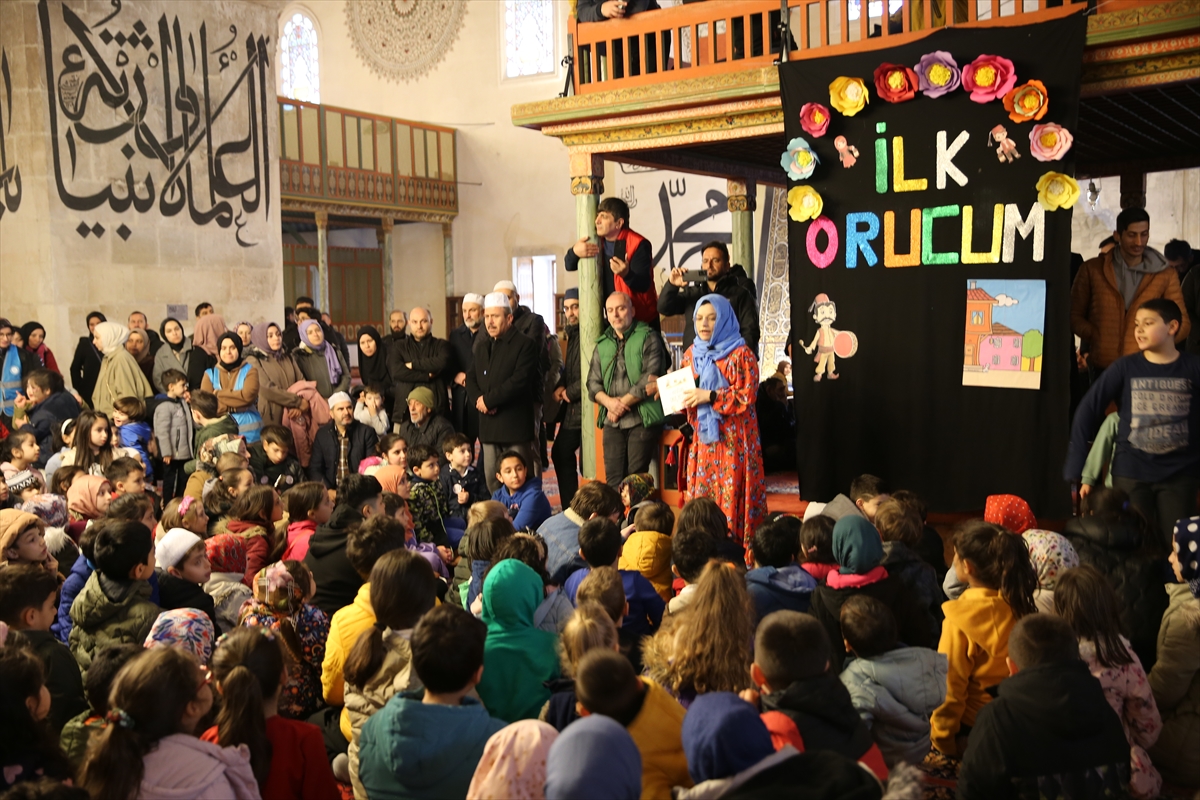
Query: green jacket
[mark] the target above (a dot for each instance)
(102, 620)
(649, 409)
(222, 425)
(1175, 681)
(1101, 454)
(76, 735)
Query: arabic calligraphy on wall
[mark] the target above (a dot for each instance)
(158, 117)
(10, 176)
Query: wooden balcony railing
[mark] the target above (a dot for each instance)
(337, 156)
(719, 36)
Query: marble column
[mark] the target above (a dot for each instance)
(322, 292)
(385, 237)
(741, 203)
(587, 184)
(448, 262)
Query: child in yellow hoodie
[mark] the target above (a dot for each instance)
(1001, 580)
(648, 548)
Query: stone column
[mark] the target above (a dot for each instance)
(322, 292)
(741, 203)
(384, 235)
(1133, 190)
(587, 184)
(448, 262)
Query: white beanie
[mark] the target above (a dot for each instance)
(339, 397)
(471, 297)
(504, 285)
(173, 546)
(813, 509)
(496, 300)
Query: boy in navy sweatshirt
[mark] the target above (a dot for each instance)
(526, 502)
(462, 484)
(1157, 391)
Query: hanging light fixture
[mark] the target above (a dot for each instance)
(1093, 194)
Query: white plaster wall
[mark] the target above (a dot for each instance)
(1172, 200)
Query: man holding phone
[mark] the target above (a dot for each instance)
(625, 260)
(682, 291)
(600, 10)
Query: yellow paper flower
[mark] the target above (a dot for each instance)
(848, 95)
(804, 203)
(1055, 191)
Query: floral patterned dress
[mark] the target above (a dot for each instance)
(302, 693)
(1128, 692)
(730, 470)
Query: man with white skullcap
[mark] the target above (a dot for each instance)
(340, 444)
(462, 343)
(501, 386)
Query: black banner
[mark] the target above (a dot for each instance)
(950, 397)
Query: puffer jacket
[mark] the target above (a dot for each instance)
(1116, 549)
(108, 612)
(657, 732)
(81, 570)
(649, 553)
(772, 589)
(395, 675)
(894, 693)
(175, 429)
(1098, 313)
(228, 593)
(919, 576)
(1175, 681)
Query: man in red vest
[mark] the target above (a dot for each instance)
(625, 260)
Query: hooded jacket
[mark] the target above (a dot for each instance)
(395, 676)
(182, 767)
(649, 552)
(81, 570)
(656, 730)
(894, 693)
(975, 642)
(824, 714)
(109, 612)
(1102, 318)
(1175, 681)
(344, 629)
(1116, 549)
(771, 589)
(48, 415)
(915, 625)
(527, 506)
(411, 749)
(1049, 733)
(519, 657)
(907, 566)
(337, 581)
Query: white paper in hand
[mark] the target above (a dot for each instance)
(673, 388)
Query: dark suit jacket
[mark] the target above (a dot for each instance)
(675, 300)
(589, 10)
(505, 375)
(324, 464)
(430, 356)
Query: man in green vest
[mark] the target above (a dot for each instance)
(626, 363)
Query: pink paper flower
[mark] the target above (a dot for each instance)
(1049, 142)
(938, 73)
(814, 119)
(988, 78)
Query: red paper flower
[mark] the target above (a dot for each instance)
(814, 119)
(895, 83)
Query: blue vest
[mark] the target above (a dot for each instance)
(249, 421)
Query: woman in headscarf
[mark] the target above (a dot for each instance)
(513, 766)
(235, 383)
(277, 372)
(1051, 554)
(177, 353)
(320, 361)
(120, 376)
(138, 345)
(204, 340)
(725, 457)
(85, 366)
(243, 330)
(188, 629)
(372, 363)
(34, 334)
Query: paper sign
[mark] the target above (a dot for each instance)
(673, 387)
(179, 312)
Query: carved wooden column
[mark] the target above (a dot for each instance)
(587, 184)
(1133, 190)
(448, 262)
(322, 291)
(741, 202)
(384, 235)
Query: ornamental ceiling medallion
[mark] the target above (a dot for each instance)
(402, 40)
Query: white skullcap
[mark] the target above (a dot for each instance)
(338, 397)
(504, 285)
(471, 297)
(496, 300)
(173, 546)
(813, 509)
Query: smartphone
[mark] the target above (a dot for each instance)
(619, 249)
(695, 276)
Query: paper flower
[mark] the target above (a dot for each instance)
(1049, 142)
(1027, 102)
(814, 119)
(799, 161)
(848, 95)
(895, 83)
(1056, 191)
(938, 74)
(989, 77)
(804, 203)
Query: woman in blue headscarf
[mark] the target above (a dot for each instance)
(725, 458)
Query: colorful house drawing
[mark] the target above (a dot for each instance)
(988, 345)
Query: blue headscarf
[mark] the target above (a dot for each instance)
(723, 735)
(595, 757)
(726, 337)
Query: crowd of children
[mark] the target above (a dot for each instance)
(185, 616)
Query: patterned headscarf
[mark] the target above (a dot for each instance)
(186, 628)
(226, 552)
(1009, 511)
(52, 509)
(276, 589)
(1051, 554)
(641, 486)
(514, 763)
(1187, 550)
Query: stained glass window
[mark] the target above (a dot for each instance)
(299, 76)
(528, 37)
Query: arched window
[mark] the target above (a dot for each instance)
(528, 38)
(299, 73)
